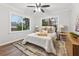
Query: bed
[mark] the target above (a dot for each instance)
(44, 41)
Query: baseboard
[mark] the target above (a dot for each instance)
(2, 44)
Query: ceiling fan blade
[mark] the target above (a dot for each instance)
(39, 4)
(30, 6)
(45, 6)
(42, 10)
(36, 5)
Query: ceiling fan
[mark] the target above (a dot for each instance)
(39, 7)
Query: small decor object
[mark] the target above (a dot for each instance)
(77, 24)
(42, 33)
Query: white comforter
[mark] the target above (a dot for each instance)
(43, 41)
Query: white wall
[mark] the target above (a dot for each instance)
(75, 13)
(64, 17)
(5, 34)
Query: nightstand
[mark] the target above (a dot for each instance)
(63, 36)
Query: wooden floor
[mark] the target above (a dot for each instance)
(10, 50)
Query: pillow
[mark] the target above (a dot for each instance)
(49, 29)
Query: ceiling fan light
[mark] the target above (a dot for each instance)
(39, 9)
(36, 9)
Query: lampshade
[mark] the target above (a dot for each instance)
(63, 28)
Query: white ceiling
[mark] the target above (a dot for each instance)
(53, 6)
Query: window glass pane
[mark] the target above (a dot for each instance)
(45, 22)
(16, 23)
(25, 23)
(49, 21)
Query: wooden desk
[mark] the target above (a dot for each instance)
(72, 45)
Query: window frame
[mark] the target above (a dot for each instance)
(57, 23)
(18, 14)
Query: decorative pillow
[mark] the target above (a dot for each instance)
(42, 33)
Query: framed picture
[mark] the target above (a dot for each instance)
(77, 24)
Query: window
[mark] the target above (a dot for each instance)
(19, 23)
(50, 21)
(53, 21)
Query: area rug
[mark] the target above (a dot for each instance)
(33, 50)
